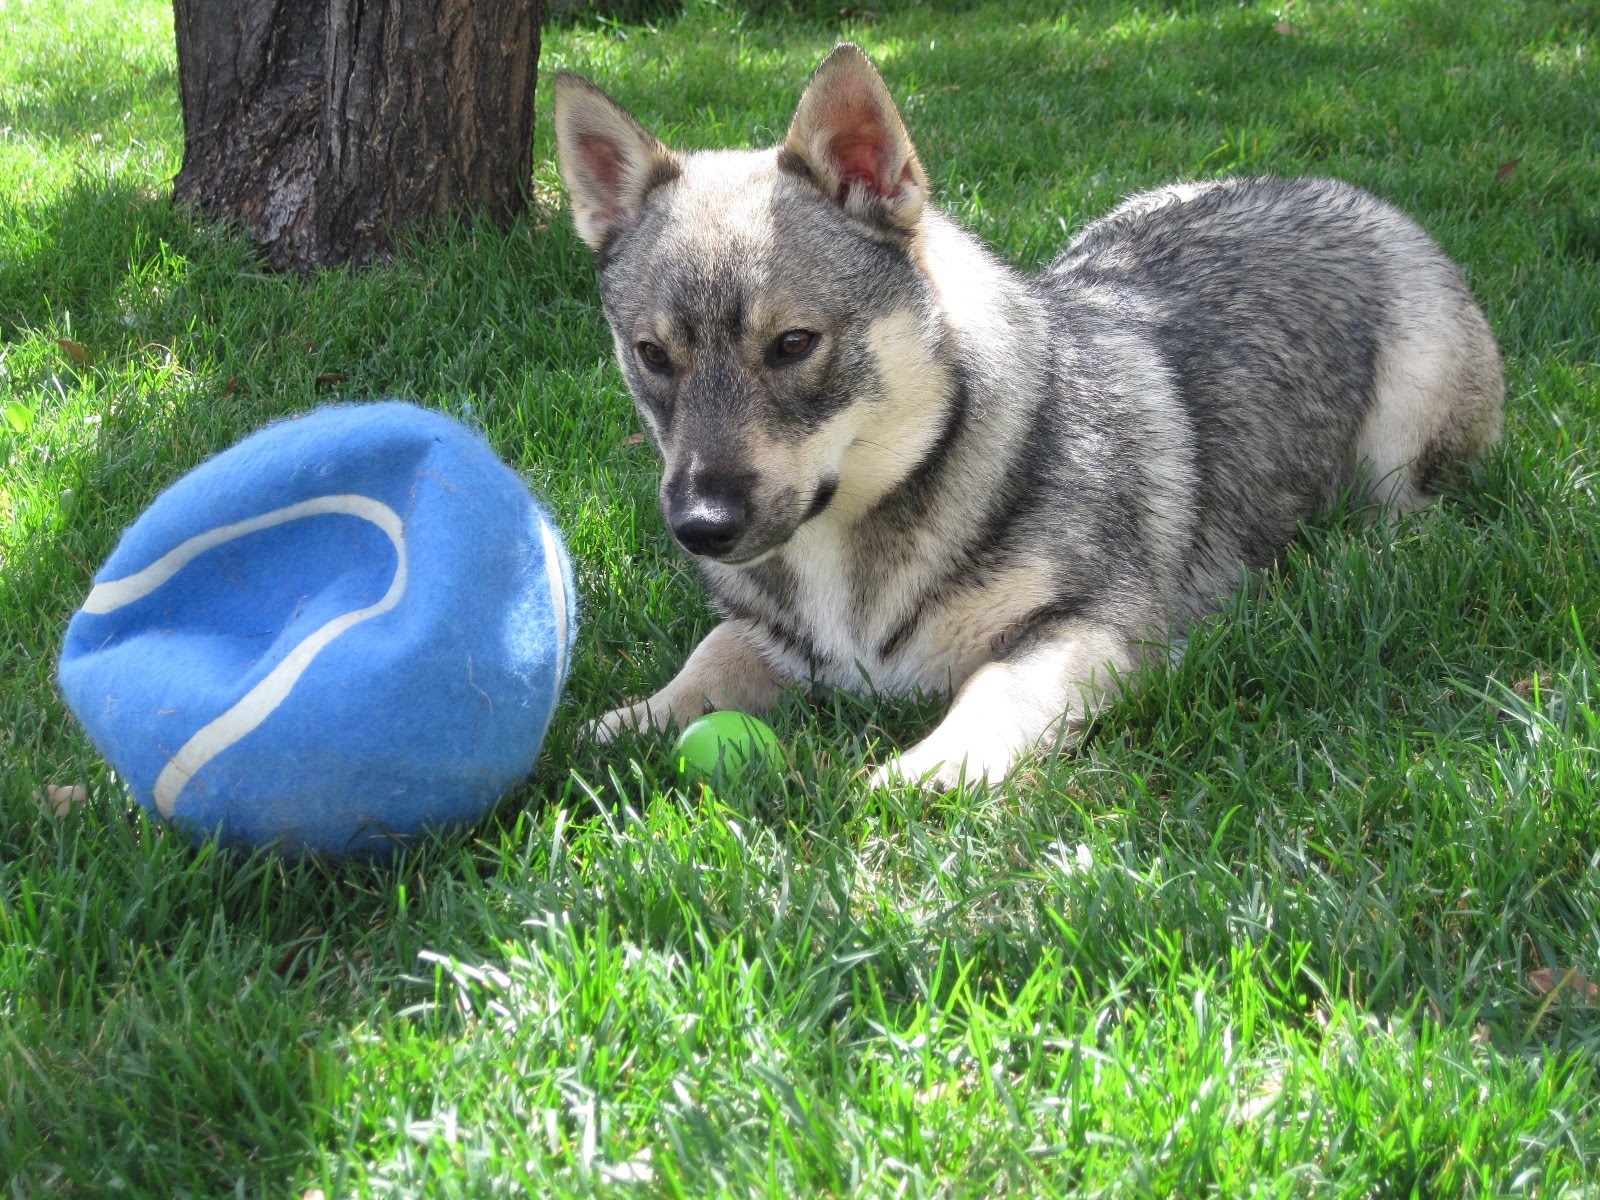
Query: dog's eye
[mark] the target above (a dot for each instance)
(655, 357)
(791, 346)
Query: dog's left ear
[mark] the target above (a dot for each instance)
(848, 136)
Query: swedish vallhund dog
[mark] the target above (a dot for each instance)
(900, 463)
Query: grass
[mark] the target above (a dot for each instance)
(1275, 929)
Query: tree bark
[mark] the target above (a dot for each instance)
(323, 127)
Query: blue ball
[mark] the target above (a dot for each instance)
(350, 628)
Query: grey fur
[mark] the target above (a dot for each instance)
(971, 480)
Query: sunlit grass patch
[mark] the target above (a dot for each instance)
(1314, 914)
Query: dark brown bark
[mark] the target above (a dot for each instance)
(321, 127)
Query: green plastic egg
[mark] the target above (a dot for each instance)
(735, 741)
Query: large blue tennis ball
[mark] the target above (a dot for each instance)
(348, 629)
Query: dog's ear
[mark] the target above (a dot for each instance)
(610, 162)
(847, 135)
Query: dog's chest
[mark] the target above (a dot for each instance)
(853, 619)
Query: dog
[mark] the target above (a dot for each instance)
(901, 464)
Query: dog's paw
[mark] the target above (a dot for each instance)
(635, 718)
(898, 772)
(942, 769)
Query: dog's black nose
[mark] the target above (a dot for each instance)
(710, 526)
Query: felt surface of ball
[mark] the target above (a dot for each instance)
(348, 629)
(734, 741)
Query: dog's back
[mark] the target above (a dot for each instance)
(1315, 339)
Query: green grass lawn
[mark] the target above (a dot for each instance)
(1276, 928)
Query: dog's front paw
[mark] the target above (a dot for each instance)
(900, 772)
(942, 767)
(635, 718)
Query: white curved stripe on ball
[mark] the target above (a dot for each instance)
(259, 702)
(114, 593)
(556, 574)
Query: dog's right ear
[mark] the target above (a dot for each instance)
(610, 162)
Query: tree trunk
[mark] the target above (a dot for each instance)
(321, 127)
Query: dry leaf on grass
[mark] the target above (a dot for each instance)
(1525, 687)
(63, 798)
(1578, 989)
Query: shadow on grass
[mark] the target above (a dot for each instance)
(76, 334)
(114, 268)
(74, 257)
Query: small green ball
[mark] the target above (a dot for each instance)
(734, 741)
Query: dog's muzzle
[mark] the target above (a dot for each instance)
(710, 512)
(711, 526)
(716, 518)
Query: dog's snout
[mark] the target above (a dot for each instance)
(710, 530)
(709, 518)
